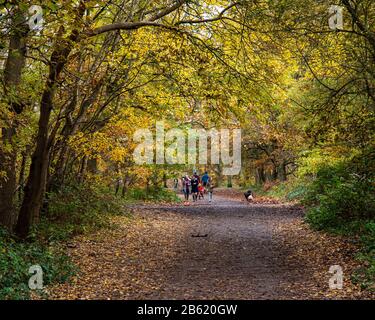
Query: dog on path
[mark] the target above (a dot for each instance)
(249, 196)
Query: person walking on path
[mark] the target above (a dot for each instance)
(200, 191)
(186, 185)
(205, 179)
(194, 187)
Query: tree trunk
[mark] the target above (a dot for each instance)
(229, 184)
(36, 183)
(124, 187)
(35, 186)
(117, 187)
(82, 170)
(92, 165)
(274, 173)
(8, 182)
(165, 181)
(57, 179)
(281, 172)
(21, 180)
(259, 176)
(8, 152)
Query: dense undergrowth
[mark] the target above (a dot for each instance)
(17, 257)
(72, 211)
(157, 194)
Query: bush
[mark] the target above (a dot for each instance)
(366, 275)
(338, 197)
(152, 194)
(71, 211)
(342, 201)
(16, 259)
(77, 209)
(290, 190)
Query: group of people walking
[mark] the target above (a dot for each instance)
(197, 186)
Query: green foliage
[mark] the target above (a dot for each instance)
(339, 196)
(290, 190)
(365, 275)
(341, 200)
(152, 194)
(15, 260)
(77, 209)
(73, 210)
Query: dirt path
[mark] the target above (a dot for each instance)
(224, 250)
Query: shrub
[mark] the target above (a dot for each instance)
(342, 200)
(338, 197)
(77, 209)
(152, 194)
(71, 211)
(366, 275)
(16, 259)
(290, 190)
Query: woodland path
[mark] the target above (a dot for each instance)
(228, 249)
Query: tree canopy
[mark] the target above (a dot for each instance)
(79, 77)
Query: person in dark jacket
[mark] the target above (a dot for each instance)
(194, 187)
(186, 182)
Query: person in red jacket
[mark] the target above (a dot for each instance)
(200, 191)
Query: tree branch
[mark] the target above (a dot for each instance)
(139, 24)
(219, 17)
(165, 12)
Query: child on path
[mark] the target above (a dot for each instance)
(200, 191)
(210, 190)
